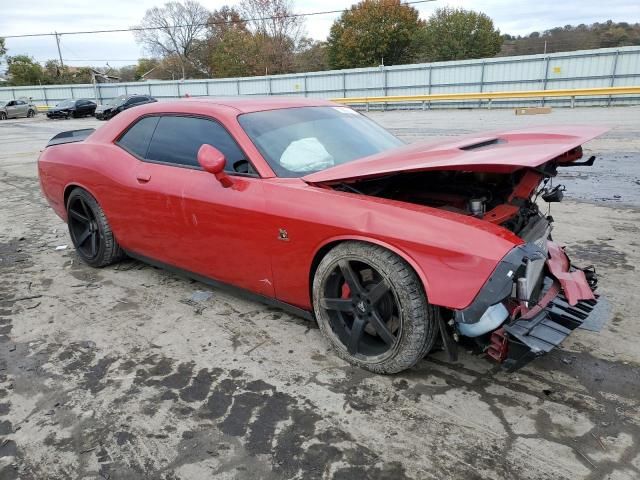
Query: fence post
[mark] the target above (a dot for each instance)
(304, 84)
(269, 91)
(385, 84)
(238, 87)
(177, 84)
(613, 74)
(44, 95)
(344, 85)
(481, 84)
(429, 85)
(546, 78)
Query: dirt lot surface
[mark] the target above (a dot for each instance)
(118, 374)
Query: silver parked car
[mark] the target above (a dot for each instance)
(16, 108)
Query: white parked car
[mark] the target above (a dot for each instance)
(16, 108)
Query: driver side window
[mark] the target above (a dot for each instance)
(175, 140)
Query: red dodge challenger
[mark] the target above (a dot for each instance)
(392, 248)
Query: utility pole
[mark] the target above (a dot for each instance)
(59, 53)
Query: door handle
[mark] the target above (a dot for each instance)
(143, 177)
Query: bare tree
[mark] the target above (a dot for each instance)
(175, 30)
(276, 31)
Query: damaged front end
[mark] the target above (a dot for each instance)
(535, 296)
(534, 299)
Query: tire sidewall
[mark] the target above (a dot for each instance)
(411, 314)
(93, 205)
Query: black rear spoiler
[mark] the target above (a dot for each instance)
(71, 136)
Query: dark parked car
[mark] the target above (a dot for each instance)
(118, 104)
(72, 108)
(16, 108)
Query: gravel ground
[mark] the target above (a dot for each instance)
(118, 374)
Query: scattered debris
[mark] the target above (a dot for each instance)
(30, 297)
(201, 296)
(599, 441)
(61, 247)
(585, 457)
(87, 450)
(532, 110)
(12, 348)
(547, 392)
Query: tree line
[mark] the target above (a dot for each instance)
(182, 39)
(570, 38)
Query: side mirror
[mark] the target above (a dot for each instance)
(213, 161)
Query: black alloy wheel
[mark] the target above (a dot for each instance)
(362, 308)
(90, 231)
(83, 228)
(371, 306)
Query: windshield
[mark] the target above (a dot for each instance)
(117, 100)
(298, 141)
(66, 103)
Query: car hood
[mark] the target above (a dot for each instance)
(102, 108)
(501, 152)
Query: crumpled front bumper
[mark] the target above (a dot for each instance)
(57, 113)
(566, 299)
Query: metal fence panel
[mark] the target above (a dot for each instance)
(588, 68)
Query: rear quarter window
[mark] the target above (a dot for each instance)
(136, 139)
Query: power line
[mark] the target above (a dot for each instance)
(206, 24)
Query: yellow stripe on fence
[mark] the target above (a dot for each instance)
(568, 93)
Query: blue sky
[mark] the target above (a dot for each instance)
(38, 16)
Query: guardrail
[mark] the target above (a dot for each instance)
(517, 94)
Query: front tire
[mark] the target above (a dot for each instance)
(372, 308)
(3, 116)
(31, 114)
(90, 231)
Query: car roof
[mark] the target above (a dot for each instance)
(252, 103)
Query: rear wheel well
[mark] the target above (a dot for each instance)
(67, 192)
(329, 246)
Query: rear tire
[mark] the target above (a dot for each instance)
(3, 116)
(364, 288)
(90, 231)
(31, 114)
